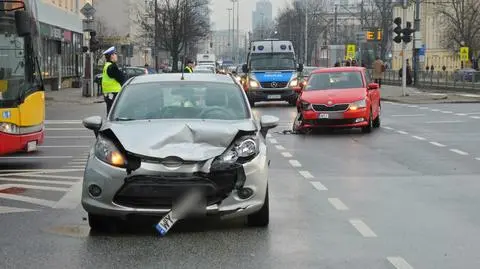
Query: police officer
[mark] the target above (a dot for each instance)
(189, 67)
(112, 77)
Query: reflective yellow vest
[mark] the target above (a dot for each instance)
(109, 84)
(188, 69)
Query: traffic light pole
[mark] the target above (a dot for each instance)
(404, 57)
(416, 50)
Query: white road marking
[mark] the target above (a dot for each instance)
(72, 198)
(412, 106)
(306, 174)
(63, 122)
(402, 132)
(478, 158)
(362, 228)
(445, 121)
(388, 128)
(388, 102)
(68, 183)
(469, 95)
(461, 114)
(280, 147)
(286, 154)
(437, 144)
(46, 176)
(34, 171)
(64, 146)
(339, 205)
(435, 110)
(475, 117)
(26, 199)
(423, 107)
(446, 112)
(473, 113)
(419, 137)
(6, 210)
(66, 129)
(69, 137)
(36, 157)
(273, 141)
(319, 186)
(399, 263)
(408, 115)
(295, 163)
(459, 152)
(75, 166)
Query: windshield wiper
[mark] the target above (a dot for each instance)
(122, 119)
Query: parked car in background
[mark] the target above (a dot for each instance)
(204, 69)
(466, 74)
(128, 71)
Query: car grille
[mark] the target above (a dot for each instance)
(162, 191)
(269, 85)
(340, 107)
(327, 122)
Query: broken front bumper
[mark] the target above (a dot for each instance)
(151, 189)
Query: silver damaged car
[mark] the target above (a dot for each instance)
(166, 135)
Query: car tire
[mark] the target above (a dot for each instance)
(368, 129)
(260, 218)
(252, 103)
(102, 224)
(377, 122)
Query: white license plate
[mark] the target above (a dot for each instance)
(277, 96)
(166, 223)
(31, 146)
(323, 116)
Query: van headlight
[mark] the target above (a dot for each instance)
(254, 84)
(9, 128)
(107, 152)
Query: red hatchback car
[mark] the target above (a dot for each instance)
(338, 97)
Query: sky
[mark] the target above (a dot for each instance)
(220, 13)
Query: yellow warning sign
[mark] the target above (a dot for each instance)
(351, 49)
(464, 54)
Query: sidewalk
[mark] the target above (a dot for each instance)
(415, 96)
(71, 95)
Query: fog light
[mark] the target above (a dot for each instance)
(244, 193)
(359, 120)
(94, 190)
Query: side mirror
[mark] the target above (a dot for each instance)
(267, 123)
(245, 68)
(93, 123)
(373, 86)
(300, 68)
(23, 23)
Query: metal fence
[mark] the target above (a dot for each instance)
(437, 80)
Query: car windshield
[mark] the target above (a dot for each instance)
(335, 80)
(272, 61)
(180, 100)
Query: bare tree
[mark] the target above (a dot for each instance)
(180, 23)
(461, 21)
(106, 36)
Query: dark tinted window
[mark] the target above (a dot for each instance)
(335, 80)
(181, 100)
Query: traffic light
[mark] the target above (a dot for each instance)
(398, 30)
(94, 43)
(407, 33)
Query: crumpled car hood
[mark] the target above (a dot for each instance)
(189, 140)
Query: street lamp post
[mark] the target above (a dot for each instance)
(229, 29)
(306, 36)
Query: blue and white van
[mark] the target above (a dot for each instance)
(272, 72)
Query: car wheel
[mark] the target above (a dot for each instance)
(252, 103)
(101, 224)
(260, 218)
(376, 122)
(369, 127)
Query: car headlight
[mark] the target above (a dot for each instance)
(244, 149)
(293, 83)
(9, 128)
(306, 106)
(358, 104)
(107, 152)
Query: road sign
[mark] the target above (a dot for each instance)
(464, 54)
(351, 49)
(361, 37)
(88, 10)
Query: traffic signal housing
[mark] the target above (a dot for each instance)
(407, 33)
(398, 30)
(94, 43)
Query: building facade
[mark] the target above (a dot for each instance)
(432, 35)
(262, 15)
(221, 44)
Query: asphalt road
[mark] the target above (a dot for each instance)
(405, 196)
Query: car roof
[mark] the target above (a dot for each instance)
(339, 69)
(174, 77)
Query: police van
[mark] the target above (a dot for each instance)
(272, 72)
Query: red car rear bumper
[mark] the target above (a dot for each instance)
(18, 143)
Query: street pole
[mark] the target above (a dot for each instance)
(416, 51)
(233, 32)
(156, 37)
(306, 36)
(237, 52)
(230, 43)
(335, 26)
(404, 46)
(360, 43)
